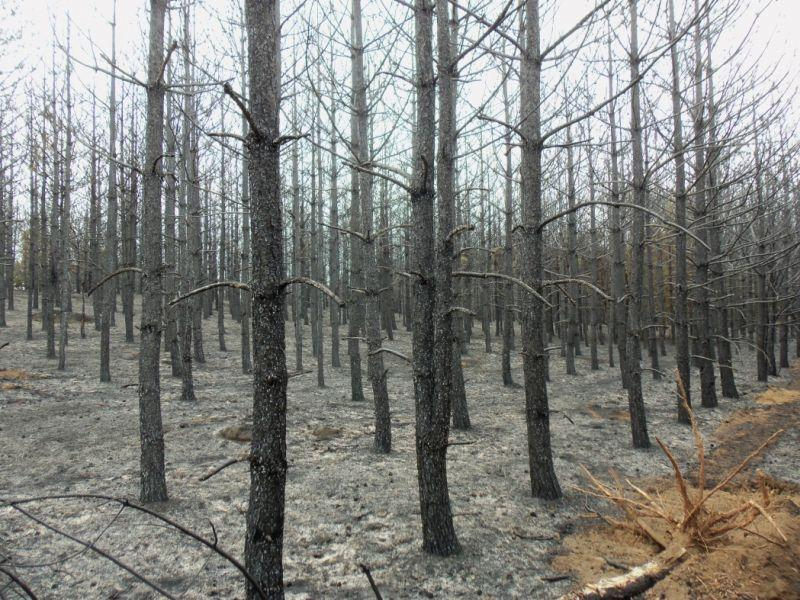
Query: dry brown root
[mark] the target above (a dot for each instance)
(696, 523)
(637, 580)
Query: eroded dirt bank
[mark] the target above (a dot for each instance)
(758, 560)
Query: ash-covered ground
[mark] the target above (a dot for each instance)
(67, 433)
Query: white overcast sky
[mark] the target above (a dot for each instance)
(774, 38)
(776, 32)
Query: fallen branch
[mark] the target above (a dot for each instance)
(20, 583)
(95, 549)
(225, 465)
(375, 590)
(128, 504)
(637, 580)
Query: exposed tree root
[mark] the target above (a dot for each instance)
(635, 581)
(695, 524)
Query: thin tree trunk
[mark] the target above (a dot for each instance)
(355, 301)
(383, 438)
(247, 302)
(171, 341)
(30, 282)
(222, 247)
(633, 368)
(508, 251)
(109, 288)
(572, 261)
(153, 482)
(595, 318)
(334, 243)
(683, 386)
(617, 237)
(297, 269)
(726, 375)
(704, 325)
(65, 225)
(544, 483)
(319, 266)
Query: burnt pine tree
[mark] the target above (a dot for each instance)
(544, 483)
(153, 483)
(265, 514)
(432, 415)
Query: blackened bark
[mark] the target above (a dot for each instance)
(265, 514)
(704, 324)
(508, 250)
(222, 248)
(633, 368)
(544, 483)
(110, 262)
(355, 299)
(683, 386)
(617, 237)
(247, 302)
(432, 421)
(297, 252)
(65, 226)
(726, 375)
(171, 341)
(153, 482)
(595, 318)
(334, 250)
(382, 441)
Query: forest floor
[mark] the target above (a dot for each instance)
(67, 433)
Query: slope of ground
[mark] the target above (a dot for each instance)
(65, 432)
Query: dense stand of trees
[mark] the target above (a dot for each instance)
(437, 168)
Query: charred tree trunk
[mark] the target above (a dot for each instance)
(65, 225)
(382, 438)
(683, 391)
(153, 483)
(265, 514)
(633, 368)
(544, 483)
(704, 325)
(247, 302)
(171, 341)
(617, 239)
(334, 250)
(109, 288)
(432, 417)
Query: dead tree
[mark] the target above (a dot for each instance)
(632, 349)
(683, 400)
(371, 276)
(265, 514)
(544, 483)
(430, 382)
(65, 224)
(110, 250)
(703, 322)
(153, 483)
